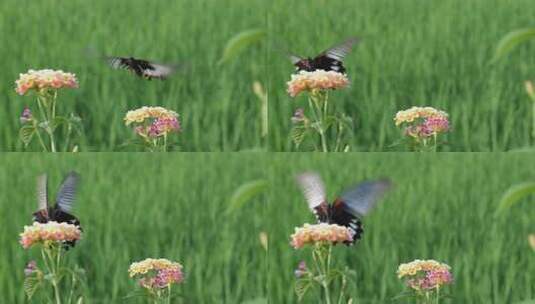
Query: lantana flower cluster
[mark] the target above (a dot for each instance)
(423, 122)
(157, 273)
(422, 275)
(315, 81)
(320, 233)
(51, 232)
(42, 80)
(152, 122)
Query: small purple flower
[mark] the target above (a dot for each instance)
(26, 116)
(299, 116)
(30, 269)
(301, 270)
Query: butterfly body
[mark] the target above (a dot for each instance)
(320, 63)
(140, 67)
(61, 211)
(346, 210)
(329, 60)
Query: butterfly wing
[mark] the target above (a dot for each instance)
(340, 51)
(66, 194)
(314, 192)
(361, 199)
(331, 59)
(118, 63)
(137, 66)
(160, 71)
(41, 215)
(343, 217)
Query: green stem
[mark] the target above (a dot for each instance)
(317, 117)
(165, 142)
(52, 119)
(169, 294)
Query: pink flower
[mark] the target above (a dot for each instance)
(51, 232)
(321, 233)
(299, 116)
(43, 80)
(315, 81)
(301, 270)
(26, 116)
(157, 273)
(425, 274)
(153, 121)
(30, 269)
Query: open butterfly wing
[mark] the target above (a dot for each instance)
(340, 51)
(66, 194)
(158, 71)
(314, 192)
(42, 192)
(361, 199)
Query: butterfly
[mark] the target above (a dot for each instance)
(141, 68)
(346, 210)
(61, 211)
(329, 60)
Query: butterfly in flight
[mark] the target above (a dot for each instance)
(348, 209)
(61, 211)
(329, 60)
(142, 68)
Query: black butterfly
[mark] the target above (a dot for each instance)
(141, 68)
(329, 60)
(346, 210)
(61, 211)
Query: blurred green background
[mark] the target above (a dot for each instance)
(412, 52)
(216, 103)
(442, 207)
(134, 206)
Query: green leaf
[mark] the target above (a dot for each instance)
(298, 134)
(31, 285)
(26, 134)
(240, 42)
(245, 193)
(512, 40)
(515, 194)
(301, 288)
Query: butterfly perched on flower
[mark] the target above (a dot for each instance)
(329, 60)
(348, 209)
(61, 211)
(142, 68)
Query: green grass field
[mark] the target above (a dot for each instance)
(134, 206)
(218, 109)
(413, 52)
(442, 208)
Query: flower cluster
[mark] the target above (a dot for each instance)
(43, 80)
(51, 232)
(423, 121)
(156, 273)
(316, 80)
(153, 121)
(425, 274)
(320, 233)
